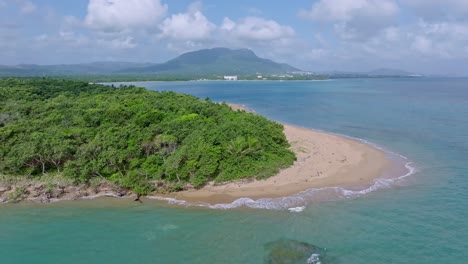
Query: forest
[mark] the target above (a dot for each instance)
(139, 139)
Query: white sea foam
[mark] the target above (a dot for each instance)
(296, 209)
(314, 259)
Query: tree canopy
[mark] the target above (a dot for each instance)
(132, 136)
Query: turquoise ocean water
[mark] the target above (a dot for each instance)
(422, 218)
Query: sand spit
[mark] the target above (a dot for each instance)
(323, 160)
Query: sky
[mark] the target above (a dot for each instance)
(421, 36)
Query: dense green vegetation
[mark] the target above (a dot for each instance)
(136, 138)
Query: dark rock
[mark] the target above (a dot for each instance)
(38, 186)
(92, 191)
(70, 189)
(34, 193)
(285, 251)
(45, 200)
(4, 189)
(104, 187)
(58, 192)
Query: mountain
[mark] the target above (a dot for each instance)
(216, 61)
(206, 62)
(94, 68)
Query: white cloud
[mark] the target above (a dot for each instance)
(346, 10)
(354, 19)
(193, 29)
(441, 39)
(392, 34)
(376, 31)
(120, 43)
(118, 15)
(66, 42)
(26, 7)
(423, 45)
(412, 43)
(314, 54)
(256, 29)
(450, 30)
(189, 26)
(437, 10)
(187, 45)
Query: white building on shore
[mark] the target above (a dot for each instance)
(230, 77)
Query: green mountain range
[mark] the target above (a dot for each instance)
(206, 62)
(94, 68)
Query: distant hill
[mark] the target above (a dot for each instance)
(206, 62)
(378, 73)
(94, 68)
(389, 72)
(216, 61)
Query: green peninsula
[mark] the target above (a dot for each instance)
(143, 140)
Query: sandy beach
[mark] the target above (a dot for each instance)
(323, 160)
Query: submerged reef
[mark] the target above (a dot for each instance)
(286, 251)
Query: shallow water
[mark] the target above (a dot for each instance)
(421, 219)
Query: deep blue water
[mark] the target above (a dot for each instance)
(423, 219)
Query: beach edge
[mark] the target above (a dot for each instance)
(323, 160)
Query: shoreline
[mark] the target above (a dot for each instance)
(323, 160)
(56, 190)
(217, 80)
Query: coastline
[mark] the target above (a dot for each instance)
(323, 160)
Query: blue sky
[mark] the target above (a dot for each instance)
(426, 36)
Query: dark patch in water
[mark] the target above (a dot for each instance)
(286, 251)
